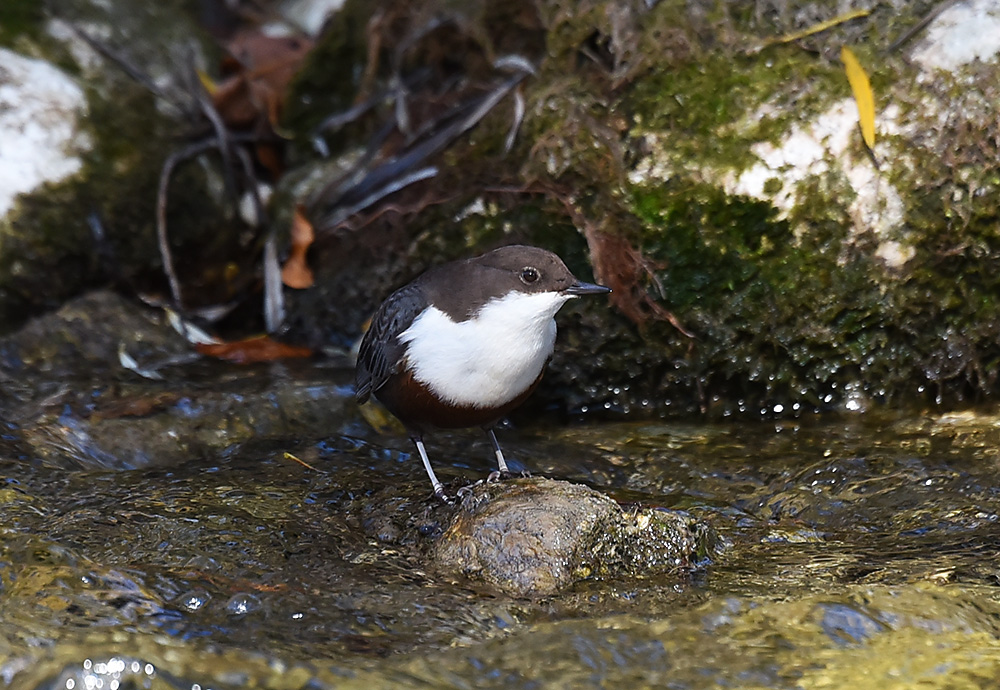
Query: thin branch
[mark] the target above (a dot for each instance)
(126, 66)
(518, 119)
(161, 212)
(211, 113)
(337, 217)
(920, 26)
(274, 296)
(461, 119)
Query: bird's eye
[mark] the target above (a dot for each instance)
(529, 275)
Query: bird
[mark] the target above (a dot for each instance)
(466, 342)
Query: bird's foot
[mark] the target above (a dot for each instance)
(467, 490)
(443, 497)
(497, 475)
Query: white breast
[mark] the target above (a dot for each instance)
(489, 359)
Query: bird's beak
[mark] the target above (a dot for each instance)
(586, 289)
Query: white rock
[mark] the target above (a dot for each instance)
(310, 15)
(964, 32)
(39, 140)
(813, 149)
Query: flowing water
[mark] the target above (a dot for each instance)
(858, 552)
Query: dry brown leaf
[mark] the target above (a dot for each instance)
(296, 272)
(252, 94)
(623, 268)
(260, 70)
(259, 349)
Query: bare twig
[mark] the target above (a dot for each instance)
(161, 213)
(338, 120)
(126, 66)
(330, 194)
(274, 296)
(289, 456)
(334, 219)
(399, 209)
(383, 177)
(211, 113)
(253, 186)
(920, 26)
(518, 119)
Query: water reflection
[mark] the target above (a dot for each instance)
(851, 544)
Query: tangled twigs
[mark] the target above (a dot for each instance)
(364, 186)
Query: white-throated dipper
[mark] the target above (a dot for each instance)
(466, 342)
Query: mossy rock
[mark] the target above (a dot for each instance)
(535, 537)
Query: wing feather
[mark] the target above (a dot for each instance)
(381, 353)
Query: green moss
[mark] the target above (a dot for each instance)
(710, 243)
(945, 316)
(20, 19)
(775, 316)
(716, 106)
(329, 80)
(49, 249)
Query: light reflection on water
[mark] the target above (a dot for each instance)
(856, 546)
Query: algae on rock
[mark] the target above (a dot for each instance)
(728, 158)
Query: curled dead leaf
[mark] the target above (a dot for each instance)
(251, 350)
(259, 72)
(296, 272)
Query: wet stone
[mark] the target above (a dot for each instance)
(70, 401)
(534, 537)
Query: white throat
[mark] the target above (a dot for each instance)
(487, 360)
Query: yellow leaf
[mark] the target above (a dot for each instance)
(817, 28)
(207, 82)
(863, 96)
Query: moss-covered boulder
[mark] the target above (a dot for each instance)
(703, 158)
(96, 97)
(706, 158)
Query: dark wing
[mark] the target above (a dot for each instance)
(381, 352)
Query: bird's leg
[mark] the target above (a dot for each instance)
(501, 463)
(435, 482)
(502, 471)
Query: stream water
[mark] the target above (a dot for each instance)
(858, 552)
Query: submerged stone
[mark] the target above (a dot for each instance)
(534, 537)
(107, 383)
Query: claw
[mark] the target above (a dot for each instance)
(443, 497)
